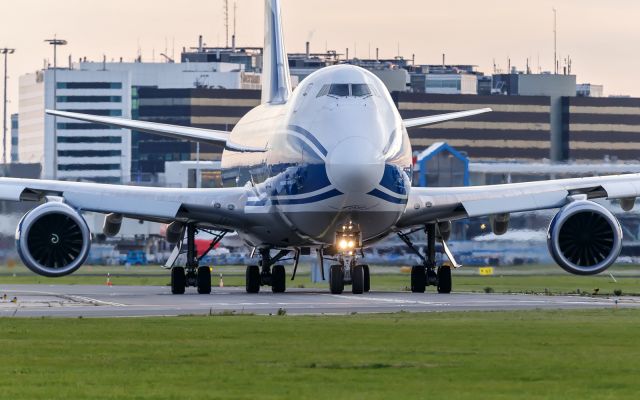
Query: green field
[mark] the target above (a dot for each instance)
(477, 355)
(524, 279)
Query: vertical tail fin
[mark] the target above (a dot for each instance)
(276, 82)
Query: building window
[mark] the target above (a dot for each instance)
(88, 167)
(82, 126)
(89, 85)
(108, 113)
(106, 179)
(89, 139)
(89, 99)
(89, 153)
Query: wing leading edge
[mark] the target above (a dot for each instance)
(222, 208)
(431, 204)
(436, 119)
(173, 131)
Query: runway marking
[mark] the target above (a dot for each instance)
(94, 301)
(387, 300)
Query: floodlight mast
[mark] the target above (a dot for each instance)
(6, 52)
(55, 42)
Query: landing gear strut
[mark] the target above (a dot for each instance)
(268, 273)
(192, 274)
(427, 274)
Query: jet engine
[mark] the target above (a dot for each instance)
(53, 239)
(584, 238)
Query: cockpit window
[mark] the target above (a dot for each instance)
(324, 91)
(360, 90)
(346, 90)
(339, 90)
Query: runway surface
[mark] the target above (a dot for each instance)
(138, 301)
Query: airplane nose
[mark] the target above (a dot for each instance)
(355, 165)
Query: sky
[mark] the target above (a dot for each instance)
(602, 37)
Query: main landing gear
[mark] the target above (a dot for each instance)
(269, 272)
(428, 274)
(193, 274)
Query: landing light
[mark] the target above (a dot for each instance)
(348, 239)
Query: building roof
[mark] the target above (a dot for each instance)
(439, 147)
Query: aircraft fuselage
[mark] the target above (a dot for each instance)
(337, 151)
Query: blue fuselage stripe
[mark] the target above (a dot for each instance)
(310, 137)
(383, 196)
(307, 200)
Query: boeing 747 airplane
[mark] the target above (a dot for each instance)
(324, 169)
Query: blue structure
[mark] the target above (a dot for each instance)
(442, 166)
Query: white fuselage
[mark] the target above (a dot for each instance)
(337, 151)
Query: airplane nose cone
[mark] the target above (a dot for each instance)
(355, 165)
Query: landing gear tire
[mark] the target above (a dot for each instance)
(204, 280)
(418, 279)
(357, 280)
(278, 279)
(252, 281)
(178, 280)
(367, 279)
(336, 279)
(444, 279)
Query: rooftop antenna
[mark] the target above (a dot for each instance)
(226, 20)
(555, 40)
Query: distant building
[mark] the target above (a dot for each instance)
(249, 57)
(440, 165)
(193, 174)
(218, 109)
(93, 152)
(589, 90)
(84, 151)
(14, 139)
(520, 84)
(445, 79)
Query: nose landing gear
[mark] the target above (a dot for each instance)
(355, 275)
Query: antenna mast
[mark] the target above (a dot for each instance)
(226, 20)
(555, 41)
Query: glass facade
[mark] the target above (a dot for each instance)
(89, 153)
(89, 85)
(106, 113)
(89, 99)
(88, 167)
(89, 139)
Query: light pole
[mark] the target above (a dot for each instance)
(6, 53)
(55, 42)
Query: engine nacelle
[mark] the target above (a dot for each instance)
(53, 239)
(499, 223)
(444, 230)
(174, 232)
(112, 224)
(584, 238)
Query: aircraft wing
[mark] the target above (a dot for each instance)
(433, 204)
(219, 208)
(173, 131)
(435, 119)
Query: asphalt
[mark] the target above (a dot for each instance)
(140, 301)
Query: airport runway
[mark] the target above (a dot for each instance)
(138, 301)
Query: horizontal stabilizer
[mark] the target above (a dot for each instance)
(173, 131)
(435, 119)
